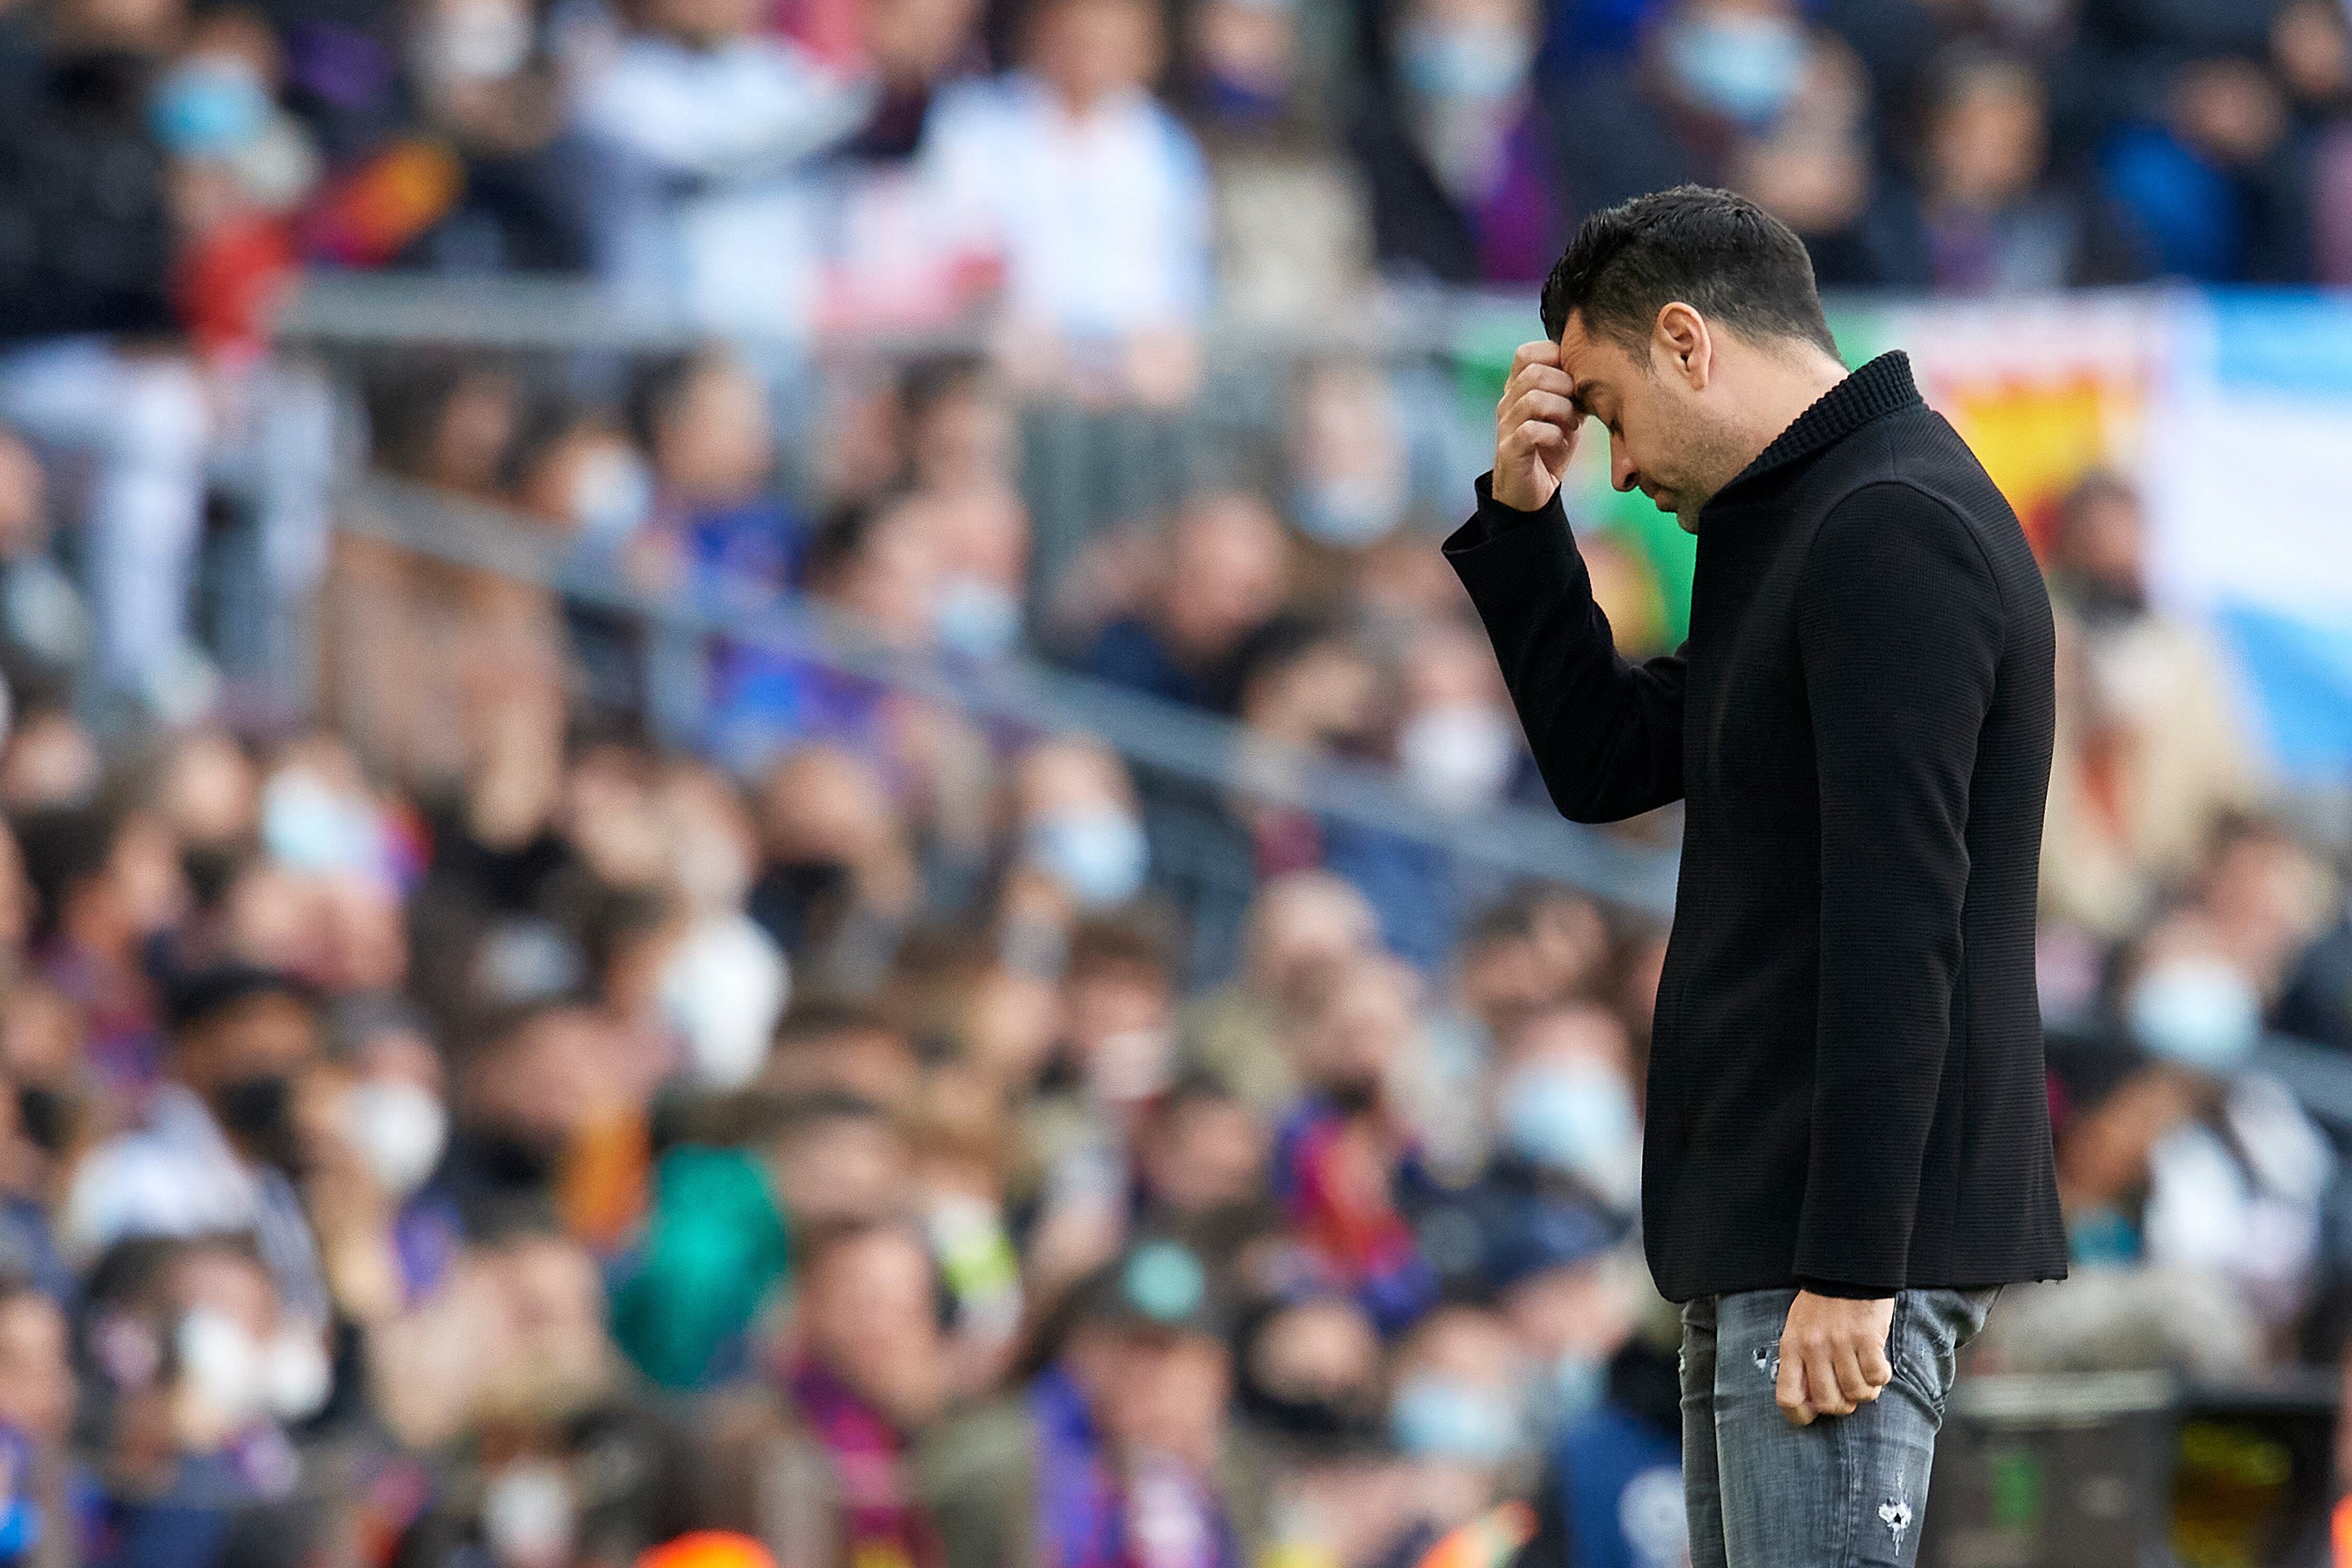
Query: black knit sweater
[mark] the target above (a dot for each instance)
(1846, 1082)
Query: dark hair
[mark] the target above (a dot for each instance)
(1722, 254)
(659, 388)
(65, 848)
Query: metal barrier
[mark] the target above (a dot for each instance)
(1183, 759)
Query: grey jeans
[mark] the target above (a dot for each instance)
(1845, 1491)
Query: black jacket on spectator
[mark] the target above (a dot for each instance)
(1846, 1082)
(85, 239)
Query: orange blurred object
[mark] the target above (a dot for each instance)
(600, 1191)
(707, 1549)
(2342, 1532)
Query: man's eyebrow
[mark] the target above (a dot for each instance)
(1583, 406)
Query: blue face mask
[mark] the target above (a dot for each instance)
(1579, 1383)
(1098, 853)
(207, 107)
(2199, 1012)
(1349, 514)
(1438, 1418)
(1475, 64)
(1743, 67)
(976, 617)
(1577, 1119)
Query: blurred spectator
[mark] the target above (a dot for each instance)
(1613, 1491)
(1986, 214)
(220, 1147)
(703, 421)
(89, 365)
(2149, 750)
(1457, 153)
(488, 83)
(1291, 233)
(1345, 1163)
(104, 883)
(1116, 1452)
(872, 1372)
(1094, 197)
(702, 124)
(45, 629)
(1222, 573)
(1458, 1417)
(1305, 930)
(2211, 178)
(839, 881)
(37, 1395)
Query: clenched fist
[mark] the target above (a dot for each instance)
(1832, 1356)
(1535, 427)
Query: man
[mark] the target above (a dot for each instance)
(870, 1373)
(218, 1149)
(1848, 1141)
(1116, 1454)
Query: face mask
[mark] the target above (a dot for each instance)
(1744, 68)
(527, 1515)
(2199, 1012)
(722, 989)
(1098, 853)
(308, 827)
(208, 107)
(482, 40)
(1576, 1119)
(1350, 512)
(1458, 756)
(242, 1379)
(45, 612)
(1578, 1382)
(1438, 1418)
(975, 617)
(610, 495)
(1478, 63)
(46, 1116)
(258, 1111)
(400, 1128)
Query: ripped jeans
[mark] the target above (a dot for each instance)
(1843, 1492)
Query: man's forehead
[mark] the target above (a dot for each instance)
(1601, 362)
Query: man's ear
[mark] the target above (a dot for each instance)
(1684, 345)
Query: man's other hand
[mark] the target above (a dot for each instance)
(1832, 1356)
(1535, 427)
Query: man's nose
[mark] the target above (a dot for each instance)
(1621, 472)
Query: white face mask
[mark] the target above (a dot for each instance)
(308, 825)
(722, 989)
(610, 495)
(242, 1379)
(1459, 755)
(2200, 1012)
(400, 1128)
(526, 1514)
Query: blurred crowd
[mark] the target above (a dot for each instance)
(562, 1094)
(477, 1126)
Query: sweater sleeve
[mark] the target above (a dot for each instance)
(1899, 626)
(1607, 734)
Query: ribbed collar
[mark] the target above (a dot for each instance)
(1882, 387)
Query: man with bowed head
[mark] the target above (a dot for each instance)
(1848, 1139)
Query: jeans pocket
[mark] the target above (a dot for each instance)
(1932, 1326)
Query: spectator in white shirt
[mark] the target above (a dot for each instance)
(1095, 198)
(217, 1148)
(705, 125)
